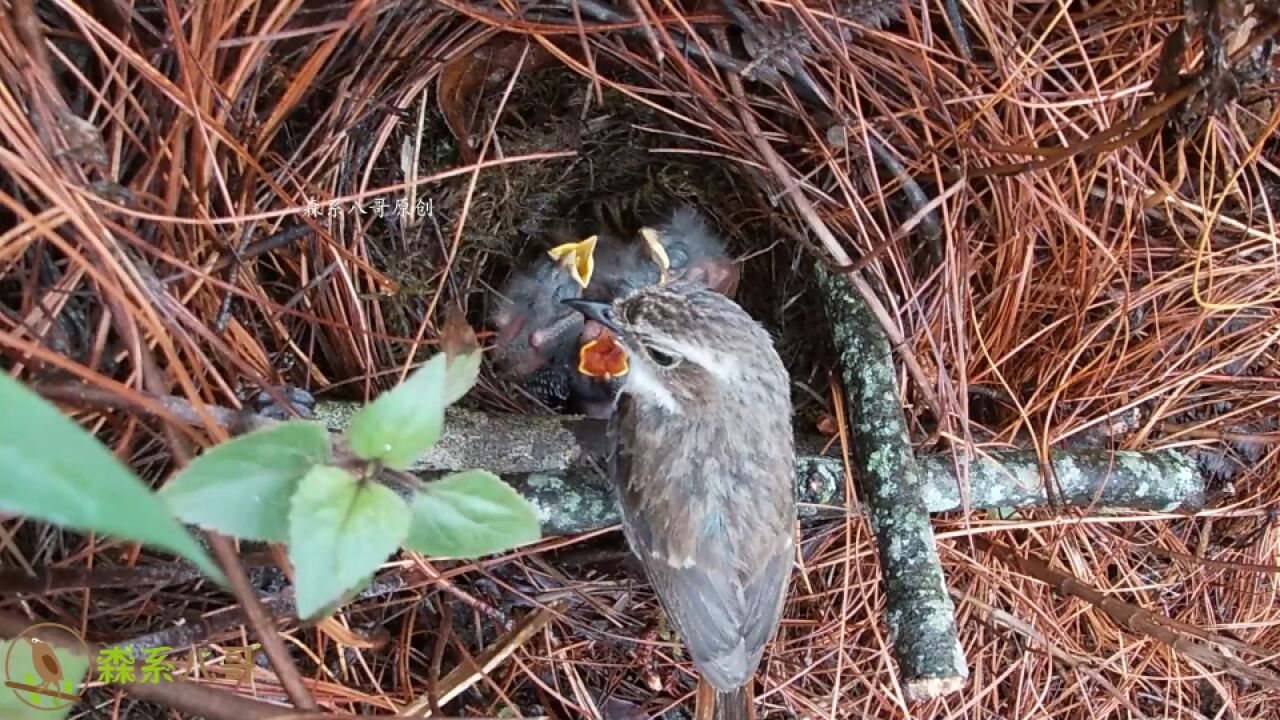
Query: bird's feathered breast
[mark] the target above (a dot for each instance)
(683, 471)
(708, 506)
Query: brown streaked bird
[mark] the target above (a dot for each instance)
(685, 247)
(703, 460)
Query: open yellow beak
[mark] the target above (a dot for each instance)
(578, 257)
(603, 358)
(657, 252)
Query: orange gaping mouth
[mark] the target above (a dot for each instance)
(602, 358)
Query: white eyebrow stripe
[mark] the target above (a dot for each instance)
(722, 367)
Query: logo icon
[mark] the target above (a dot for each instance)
(33, 670)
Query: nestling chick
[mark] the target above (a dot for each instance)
(579, 379)
(622, 266)
(685, 247)
(539, 338)
(532, 323)
(703, 460)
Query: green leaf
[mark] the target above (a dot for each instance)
(404, 422)
(52, 470)
(460, 376)
(459, 344)
(340, 531)
(242, 487)
(344, 597)
(20, 664)
(468, 514)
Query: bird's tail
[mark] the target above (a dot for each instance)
(715, 705)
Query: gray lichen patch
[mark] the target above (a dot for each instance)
(569, 505)
(919, 612)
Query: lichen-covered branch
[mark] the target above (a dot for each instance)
(501, 444)
(919, 612)
(558, 462)
(1161, 481)
(581, 500)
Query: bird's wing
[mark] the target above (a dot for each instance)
(724, 622)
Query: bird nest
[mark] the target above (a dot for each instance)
(1068, 214)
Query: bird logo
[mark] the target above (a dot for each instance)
(34, 666)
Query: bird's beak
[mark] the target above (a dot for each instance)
(598, 311)
(657, 252)
(578, 257)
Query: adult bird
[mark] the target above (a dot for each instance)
(682, 246)
(703, 459)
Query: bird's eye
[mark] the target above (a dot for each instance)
(564, 291)
(660, 358)
(677, 255)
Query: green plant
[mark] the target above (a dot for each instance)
(52, 470)
(284, 484)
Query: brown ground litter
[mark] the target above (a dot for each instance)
(1105, 271)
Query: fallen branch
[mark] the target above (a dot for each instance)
(558, 463)
(919, 613)
(581, 500)
(48, 580)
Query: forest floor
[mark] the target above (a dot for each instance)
(1069, 212)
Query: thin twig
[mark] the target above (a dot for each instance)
(462, 678)
(262, 622)
(1144, 621)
